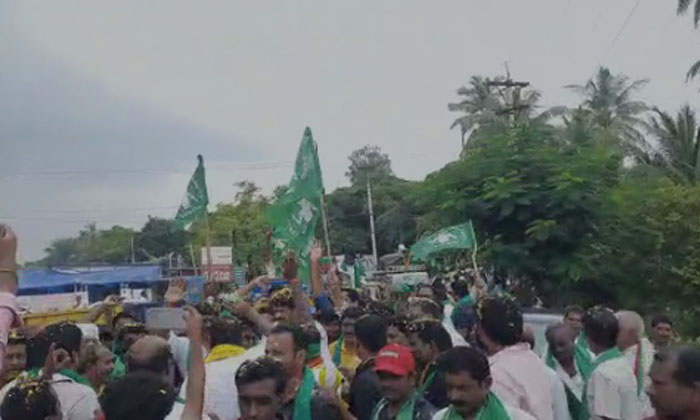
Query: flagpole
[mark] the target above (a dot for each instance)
(371, 221)
(325, 224)
(194, 262)
(207, 242)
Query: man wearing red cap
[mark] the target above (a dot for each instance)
(396, 369)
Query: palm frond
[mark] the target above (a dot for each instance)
(683, 6)
(693, 71)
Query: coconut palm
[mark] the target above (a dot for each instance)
(678, 143)
(610, 100)
(486, 104)
(683, 7)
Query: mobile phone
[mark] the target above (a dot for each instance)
(166, 319)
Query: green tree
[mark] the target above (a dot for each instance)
(683, 7)
(647, 254)
(534, 201)
(497, 103)
(678, 143)
(157, 239)
(613, 109)
(368, 161)
(240, 224)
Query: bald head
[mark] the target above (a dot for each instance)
(150, 353)
(631, 327)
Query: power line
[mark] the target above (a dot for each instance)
(624, 25)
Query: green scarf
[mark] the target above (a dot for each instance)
(405, 413)
(581, 342)
(302, 401)
(313, 351)
(338, 352)
(603, 357)
(493, 409)
(426, 379)
(119, 370)
(70, 373)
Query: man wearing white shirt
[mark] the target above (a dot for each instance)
(77, 400)
(611, 391)
(571, 368)
(520, 378)
(638, 352)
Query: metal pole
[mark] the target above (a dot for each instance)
(371, 221)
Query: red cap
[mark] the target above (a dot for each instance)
(395, 359)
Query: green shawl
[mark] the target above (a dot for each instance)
(302, 401)
(493, 409)
(603, 357)
(405, 413)
(338, 352)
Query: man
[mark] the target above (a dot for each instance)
(223, 341)
(573, 318)
(282, 305)
(287, 345)
(365, 389)
(15, 358)
(421, 308)
(398, 330)
(127, 335)
(143, 395)
(33, 400)
(396, 369)
(344, 350)
(638, 352)
(675, 383)
(611, 390)
(325, 372)
(331, 323)
(661, 331)
(96, 364)
(468, 380)
(77, 400)
(261, 385)
(520, 378)
(428, 341)
(571, 364)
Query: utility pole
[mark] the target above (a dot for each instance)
(371, 221)
(513, 105)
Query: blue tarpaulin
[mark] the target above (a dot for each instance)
(34, 279)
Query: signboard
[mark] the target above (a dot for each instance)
(136, 295)
(54, 302)
(411, 279)
(221, 264)
(220, 255)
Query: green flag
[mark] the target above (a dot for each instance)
(295, 213)
(454, 237)
(194, 205)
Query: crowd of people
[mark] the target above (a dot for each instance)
(445, 351)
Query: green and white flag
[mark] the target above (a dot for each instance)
(194, 205)
(294, 214)
(454, 237)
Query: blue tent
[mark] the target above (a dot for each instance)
(53, 280)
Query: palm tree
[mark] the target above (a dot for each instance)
(683, 7)
(487, 103)
(678, 143)
(610, 100)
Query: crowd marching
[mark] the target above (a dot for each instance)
(445, 351)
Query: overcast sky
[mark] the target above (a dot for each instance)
(104, 105)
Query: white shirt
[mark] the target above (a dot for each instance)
(180, 348)
(78, 401)
(612, 392)
(457, 339)
(575, 384)
(647, 358)
(513, 413)
(560, 407)
(176, 412)
(521, 380)
(220, 392)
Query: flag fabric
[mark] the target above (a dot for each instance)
(295, 213)
(454, 237)
(194, 205)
